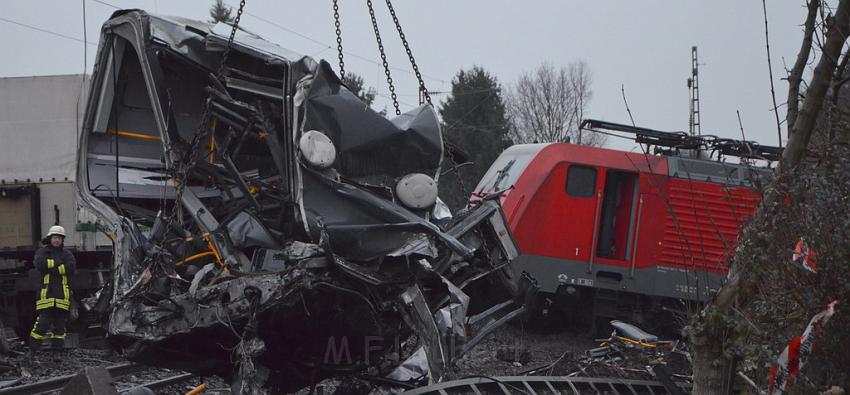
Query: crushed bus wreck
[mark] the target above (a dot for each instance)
(268, 226)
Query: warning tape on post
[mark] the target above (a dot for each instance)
(792, 359)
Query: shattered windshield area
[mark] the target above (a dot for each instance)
(504, 172)
(273, 211)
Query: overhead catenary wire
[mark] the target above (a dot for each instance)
(277, 25)
(423, 90)
(65, 36)
(107, 4)
(329, 46)
(325, 46)
(475, 107)
(385, 96)
(83, 77)
(461, 93)
(384, 62)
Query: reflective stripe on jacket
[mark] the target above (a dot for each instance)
(55, 264)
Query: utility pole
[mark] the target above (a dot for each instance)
(693, 96)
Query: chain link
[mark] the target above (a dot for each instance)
(226, 53)
(450, 153)
(383, 57)
(339, 42)
(409, 53)
(448, 146)
(450, 149)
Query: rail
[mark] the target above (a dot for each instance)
(116, 371)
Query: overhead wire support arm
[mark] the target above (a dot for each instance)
(647, 136)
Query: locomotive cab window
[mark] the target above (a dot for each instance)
(581, 181)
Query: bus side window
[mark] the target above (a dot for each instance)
(581, 181)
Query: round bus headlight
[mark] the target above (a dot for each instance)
(416, 191)
(317, 149)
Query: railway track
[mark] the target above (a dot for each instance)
(116, 371)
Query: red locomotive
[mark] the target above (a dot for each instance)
(624, 232)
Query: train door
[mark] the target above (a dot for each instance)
(612, 244)
(582, 200)
(615, 226)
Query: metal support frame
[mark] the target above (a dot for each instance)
(543, 385)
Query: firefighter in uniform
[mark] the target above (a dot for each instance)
(53, 302)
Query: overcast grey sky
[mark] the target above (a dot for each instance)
(643, 45)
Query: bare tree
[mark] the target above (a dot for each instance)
(548, 104)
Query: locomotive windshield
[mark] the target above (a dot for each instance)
(504, 172)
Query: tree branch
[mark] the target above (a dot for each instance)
(801, 131)
(770, 73)
(623, 91)
(796, 75)
(840, 80)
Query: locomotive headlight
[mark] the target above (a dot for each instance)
(317, 149)
(416, 191)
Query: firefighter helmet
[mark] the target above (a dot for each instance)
(56, 230)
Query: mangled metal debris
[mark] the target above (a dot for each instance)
(271, 228)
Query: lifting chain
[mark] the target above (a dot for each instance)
(226, 52)
(450, 154)
(422, 88)
(339, 42)
(448, 147)
(424, 91)
(383, 57)
(203, 124)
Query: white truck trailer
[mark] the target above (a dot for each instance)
(39, 129)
